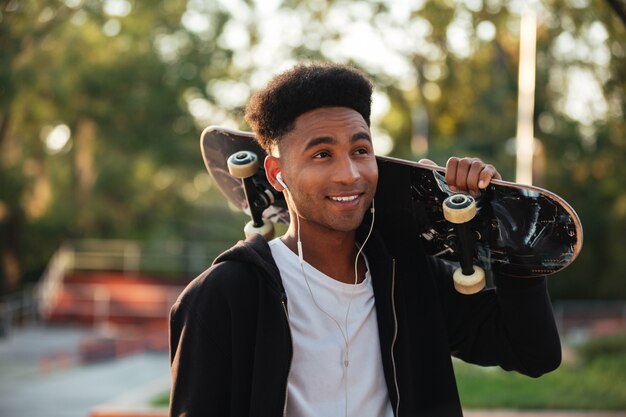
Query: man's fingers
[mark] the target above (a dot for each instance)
(473, 177)
(487, 174)
(451, 168)
(469, 174)
(462, 171)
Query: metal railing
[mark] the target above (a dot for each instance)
(99, 304)
(173, 259)
(51, 281)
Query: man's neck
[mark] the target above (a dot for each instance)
(330, 252)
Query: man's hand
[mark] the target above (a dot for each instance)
(467, 174)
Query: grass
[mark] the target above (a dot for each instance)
(597, 385)
(162, 400)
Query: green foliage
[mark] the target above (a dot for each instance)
(162, 401)
(594, 381)
(131, 168)
(583, 157)
(136, 82)
(599, 385)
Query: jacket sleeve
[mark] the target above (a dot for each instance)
(200, 365)
(511, 325)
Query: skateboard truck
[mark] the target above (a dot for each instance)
(243, 165)
(459, 209)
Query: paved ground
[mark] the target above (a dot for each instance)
(60, 387)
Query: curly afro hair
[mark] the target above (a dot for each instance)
(272, 111)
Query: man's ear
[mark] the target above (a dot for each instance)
(272, 168)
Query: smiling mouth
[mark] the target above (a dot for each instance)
(344, 199)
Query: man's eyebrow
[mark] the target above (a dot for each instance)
(322, 140)
(361, 135)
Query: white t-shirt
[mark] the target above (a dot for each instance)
(316, 384)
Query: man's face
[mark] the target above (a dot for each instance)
(328, 163)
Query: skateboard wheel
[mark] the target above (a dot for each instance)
(243, 164)
(266, 230)
(459, 208)
(469, 284)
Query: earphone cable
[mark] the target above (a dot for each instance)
(344, 334)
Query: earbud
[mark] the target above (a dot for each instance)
(279, 178)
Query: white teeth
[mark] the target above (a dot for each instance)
(345, 199)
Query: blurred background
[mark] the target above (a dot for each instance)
(107, 211)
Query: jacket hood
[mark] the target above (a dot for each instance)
(256, 252)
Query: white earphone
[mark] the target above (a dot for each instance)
(279, 178)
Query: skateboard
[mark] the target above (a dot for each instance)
(509, 229)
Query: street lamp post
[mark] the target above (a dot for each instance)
(526, 97)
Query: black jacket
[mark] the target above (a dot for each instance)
(231, 349)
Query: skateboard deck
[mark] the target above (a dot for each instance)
(519, 230)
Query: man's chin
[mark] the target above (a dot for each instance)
(347, 225)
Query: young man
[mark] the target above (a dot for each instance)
(329, 320)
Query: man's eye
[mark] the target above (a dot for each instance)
(362, 151)
(322, 154)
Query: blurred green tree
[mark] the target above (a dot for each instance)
(97, 130)
(449, 70)
(102, 102)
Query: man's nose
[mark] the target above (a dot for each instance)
(346, 171)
